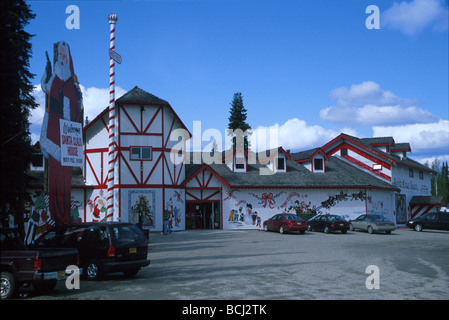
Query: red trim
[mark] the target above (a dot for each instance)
(365, 166)
(154, 167)
(212, 171)
(358, 144)
(129, 118)
(152, 119)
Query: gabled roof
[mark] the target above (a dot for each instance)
(265, 156)
(138, 96)
(339, 174)
(308, 155)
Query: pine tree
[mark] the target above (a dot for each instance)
(16, 101)
(238, 128)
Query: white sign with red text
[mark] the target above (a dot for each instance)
(71, 143)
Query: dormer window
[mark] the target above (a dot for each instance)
(239, 163)
(318, 164)
(281, 164)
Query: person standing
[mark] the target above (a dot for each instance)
(165, 218)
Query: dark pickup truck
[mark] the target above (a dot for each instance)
(20, 266)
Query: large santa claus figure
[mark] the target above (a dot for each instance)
(63, 101)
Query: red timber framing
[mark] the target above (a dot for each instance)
(138, 172)
(343, 142)
(202, 196)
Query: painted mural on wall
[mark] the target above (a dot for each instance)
(248, 209)
(39, 217)
(142, 208)
(174, 205)
(97, 207)
(63, 117)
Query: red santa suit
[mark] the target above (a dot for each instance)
(63, 101)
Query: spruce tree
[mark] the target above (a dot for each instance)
(16, 102)
(238, 128)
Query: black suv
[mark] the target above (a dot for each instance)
(103, 246)
(432, 220)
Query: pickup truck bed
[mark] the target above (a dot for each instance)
(41, 267)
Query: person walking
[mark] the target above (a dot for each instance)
(165, 219)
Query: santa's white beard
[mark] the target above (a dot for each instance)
(62, 70)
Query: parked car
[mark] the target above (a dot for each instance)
(432, 220)
(285, 222)
(20, 266)
(372, 223)
(328, 223)
(103, 247)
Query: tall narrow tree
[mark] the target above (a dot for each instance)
(238, 128)
(16, 102)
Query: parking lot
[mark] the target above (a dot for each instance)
(258, 265)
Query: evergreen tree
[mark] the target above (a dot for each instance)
(238, 128)
(440, 181)
(16, 102)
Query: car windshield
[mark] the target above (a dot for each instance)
(125, 233)
(335, 218)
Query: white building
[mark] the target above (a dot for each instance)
(347, 176)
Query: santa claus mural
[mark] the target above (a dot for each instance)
(63, 101)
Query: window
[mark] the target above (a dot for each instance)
(344, 152)
(37, 160)
(410, 173)
(318, 164)
(281, 164)
(421, 175)
(239, 163)
(140, 153)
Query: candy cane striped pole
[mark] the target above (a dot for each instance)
(111, 156)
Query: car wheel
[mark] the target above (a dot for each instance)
(370, 230)
(418, 227)
(344, 231)
(309, 228)
(93, 270)
(302, 231)
(7, 285)
(351, 227)
(326, 229)
(281, 229)
(265, 227)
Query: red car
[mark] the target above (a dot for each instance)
(283, 222)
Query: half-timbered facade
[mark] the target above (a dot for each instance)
(347, 176)
(146, 182)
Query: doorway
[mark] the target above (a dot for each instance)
(199, 215)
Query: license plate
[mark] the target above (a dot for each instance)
(132, 250)
(298, 223)
(341, 224)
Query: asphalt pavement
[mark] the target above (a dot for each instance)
(258, 265)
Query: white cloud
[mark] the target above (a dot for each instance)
(294, 134)
(430, 137)
(413, 17)
(95, 100)
(368, 104)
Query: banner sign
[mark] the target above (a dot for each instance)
(71, 143)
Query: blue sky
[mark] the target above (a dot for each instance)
(311, 69)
